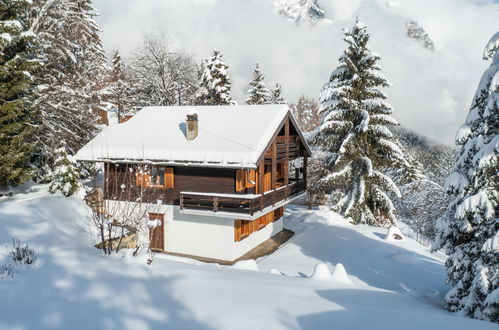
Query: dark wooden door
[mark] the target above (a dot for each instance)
(157, 234)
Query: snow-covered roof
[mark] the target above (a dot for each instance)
(229, 136)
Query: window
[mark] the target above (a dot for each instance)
(155, 177)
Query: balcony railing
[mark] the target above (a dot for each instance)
(245, 204)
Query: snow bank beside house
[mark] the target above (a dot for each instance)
(246, 265)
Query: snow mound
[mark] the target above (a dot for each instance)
(275, 271)
(394, 234)
(340, 274)
(321, 273)
(246, 265)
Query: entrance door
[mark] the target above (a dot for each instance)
(157, 234)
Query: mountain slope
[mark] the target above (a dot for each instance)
(392, 285)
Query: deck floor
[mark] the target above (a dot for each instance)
(264, 249)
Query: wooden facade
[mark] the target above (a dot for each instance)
(280, 175)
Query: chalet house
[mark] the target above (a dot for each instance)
(217, 177)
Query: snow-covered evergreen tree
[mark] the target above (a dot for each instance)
(258, 93)
(120, 92)
(214, 82)
(66, 174)
(355, 134)
(469, 230)
(18, 113)
(72, 75)
(276, 95)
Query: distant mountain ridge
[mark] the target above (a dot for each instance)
(300, 10)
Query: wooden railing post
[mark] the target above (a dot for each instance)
(286, 160)
(181, 201)
(305, 162)
(261, 174)
(274, 169)
(215, 204)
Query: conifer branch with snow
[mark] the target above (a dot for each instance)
(19, 113)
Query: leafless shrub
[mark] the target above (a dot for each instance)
(6, 270)
(19, 255)
(121, 209)
(22, 254)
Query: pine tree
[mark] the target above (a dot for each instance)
(72, 76)
(18, 112)
(66, 174)
(120, 92)
(258, 93)
(275, 96)
(469, 229)
(354, 132)
(214, 82)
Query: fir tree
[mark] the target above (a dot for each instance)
(72, 75)
(354, 132)
(214, 82)
(119, 91)
(18, 113)
(258, 93)
(66, 174)
(469, 230)
(275, 96)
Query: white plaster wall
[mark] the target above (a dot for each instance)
(203, 236)
(211, 237)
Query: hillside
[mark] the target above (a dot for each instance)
(435, 159)
(390, 284)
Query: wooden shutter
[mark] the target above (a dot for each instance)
(239, 180)
(142, 179)
(169, 179)
(237, 230)
(138, 178)
(249, 178)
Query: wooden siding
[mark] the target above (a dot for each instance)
(210, 180)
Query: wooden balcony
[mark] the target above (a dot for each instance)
(249, 204)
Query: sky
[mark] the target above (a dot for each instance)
(431, 91)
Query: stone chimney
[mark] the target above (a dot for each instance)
(191, 131)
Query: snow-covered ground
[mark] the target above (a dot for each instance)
(390, 284)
